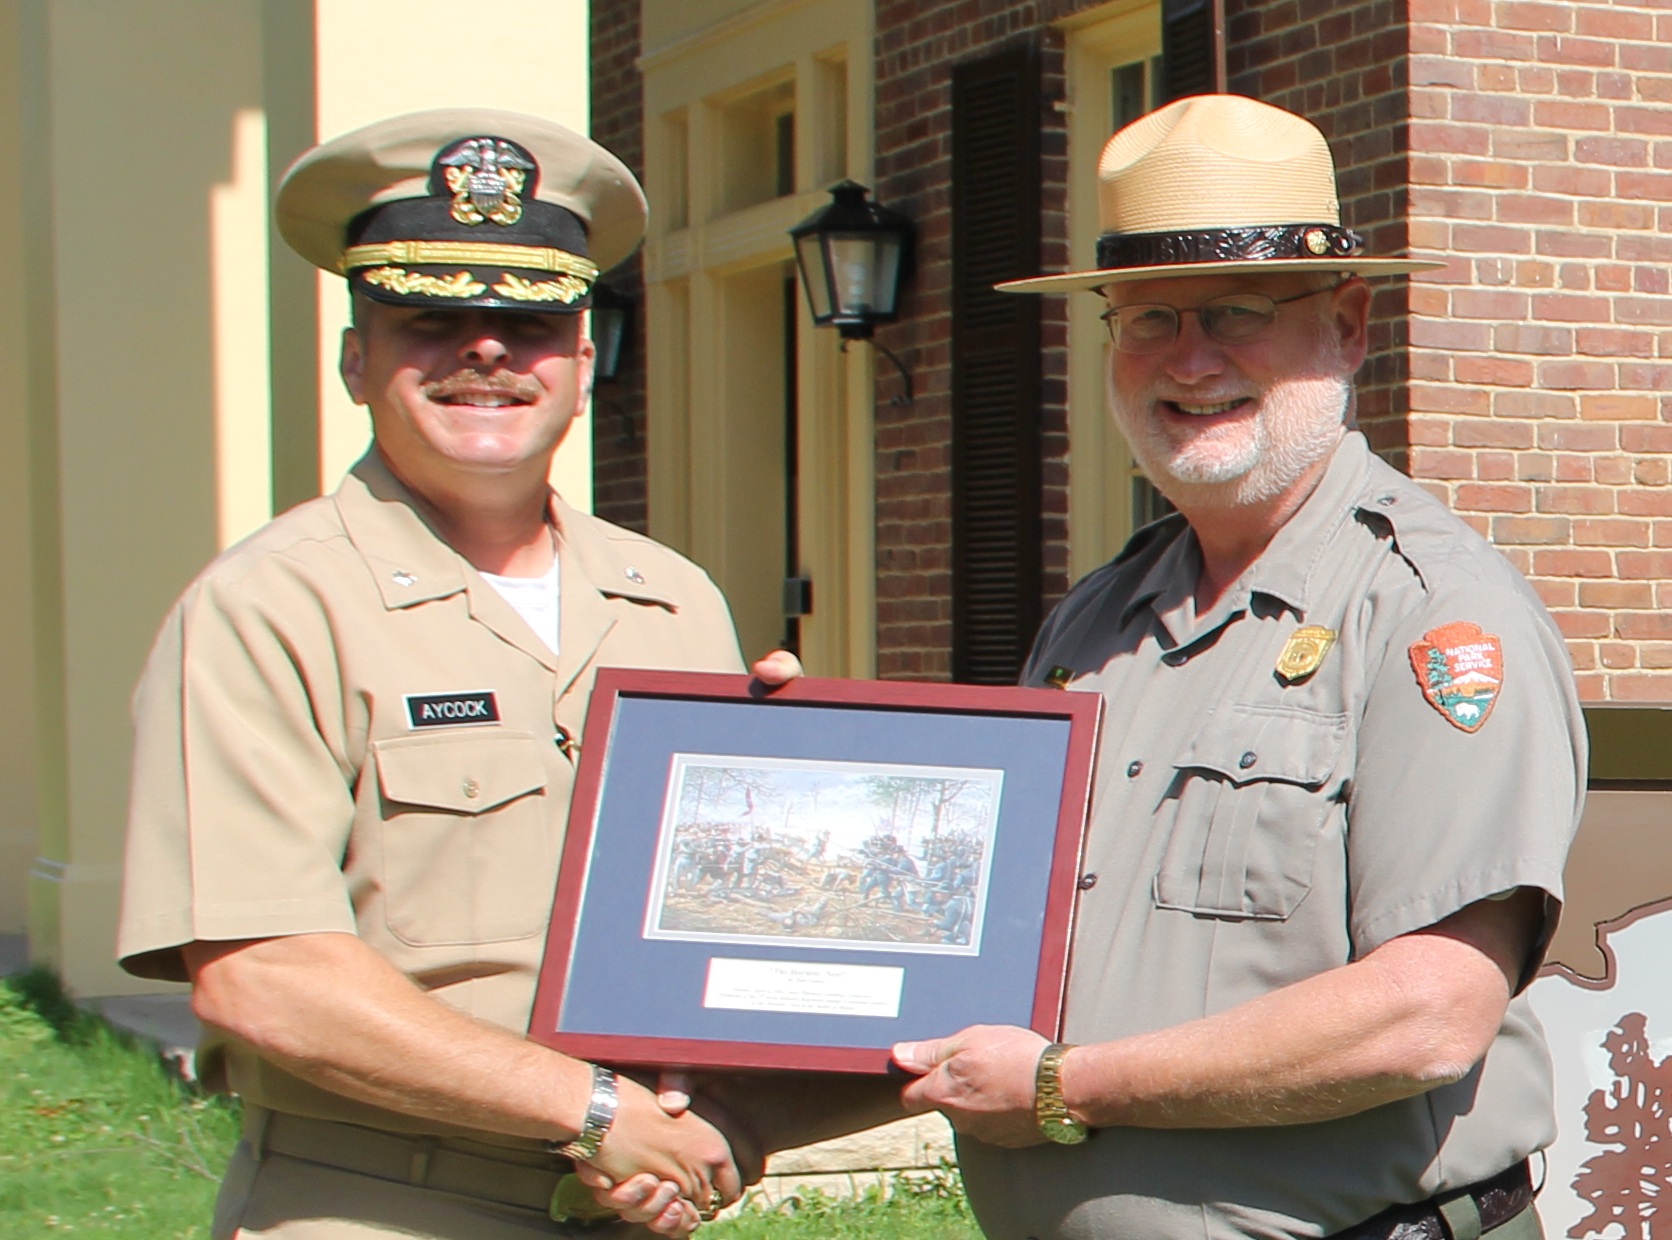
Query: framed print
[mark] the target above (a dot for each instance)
(801, 877)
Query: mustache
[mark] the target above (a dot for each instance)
(524, 388)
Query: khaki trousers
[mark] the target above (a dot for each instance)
(272, 1196)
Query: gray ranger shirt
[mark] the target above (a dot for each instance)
(1250, 831)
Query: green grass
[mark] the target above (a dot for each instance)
(916, 1206)
(95, 1137)
(98, 1139)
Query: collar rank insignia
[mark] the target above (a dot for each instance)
(1461, 671)
(486, 176)
(1303, 653)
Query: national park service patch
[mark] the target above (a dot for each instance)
(1461, 671)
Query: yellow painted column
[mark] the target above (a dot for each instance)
(377, 58)
(145, 382)
(18, 784)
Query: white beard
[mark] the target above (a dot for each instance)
(1297, 423)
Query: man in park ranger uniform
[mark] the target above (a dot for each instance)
(358, 729)
(1341, 765)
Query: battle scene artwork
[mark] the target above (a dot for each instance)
(883, 857)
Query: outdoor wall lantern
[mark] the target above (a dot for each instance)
(853, 255)
(612, 323)
(612, 315)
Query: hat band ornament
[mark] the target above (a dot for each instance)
(1227, 245)
(406, 283)
(485, 176)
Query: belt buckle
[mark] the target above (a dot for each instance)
(574, 1205)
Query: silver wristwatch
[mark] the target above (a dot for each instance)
(600, 1114)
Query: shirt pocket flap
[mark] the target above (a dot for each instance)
(1246, 743)
(465, 773)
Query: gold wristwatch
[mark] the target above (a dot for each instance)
(1049, 1107)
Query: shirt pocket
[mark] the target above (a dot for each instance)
(466, 850)
(1251, 797)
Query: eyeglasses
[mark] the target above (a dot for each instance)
(1236, 318)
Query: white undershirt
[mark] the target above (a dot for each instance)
(534, 599)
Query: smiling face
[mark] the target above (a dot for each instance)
(459, 393)
(1228, 425)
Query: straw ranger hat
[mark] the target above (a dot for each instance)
(1214, 184)
(462, 207)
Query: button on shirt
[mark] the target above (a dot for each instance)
(1249, 833)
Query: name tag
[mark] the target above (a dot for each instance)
(451, 710)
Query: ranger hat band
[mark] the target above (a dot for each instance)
(1218, 184)
(464, 208)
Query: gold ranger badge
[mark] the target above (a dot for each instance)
(1303, 653)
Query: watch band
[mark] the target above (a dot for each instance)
(600, 1114)
(1050, 1109)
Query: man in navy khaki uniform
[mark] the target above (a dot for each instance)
(1341, 765)
(357, 731)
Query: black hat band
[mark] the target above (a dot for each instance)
(1226, 245)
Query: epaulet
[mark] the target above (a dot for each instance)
(1162, 529)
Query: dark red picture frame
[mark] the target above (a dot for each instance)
(607, 993)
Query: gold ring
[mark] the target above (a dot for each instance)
(716, 1202)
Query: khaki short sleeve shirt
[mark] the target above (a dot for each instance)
(1250, 831)
(342, 727)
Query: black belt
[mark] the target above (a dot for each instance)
(1446, 1217)
(511, 1177)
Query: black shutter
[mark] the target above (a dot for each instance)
(996, 367)
(1192, 48)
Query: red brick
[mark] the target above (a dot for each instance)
(1582, 623)
(1652, 471)
(1614, 342)
(1545, 17)
(1576, 182)
(1566, 308)
(1610, 532)
(1615, 215)
(1617, 655)
(1656, 502)
(1572, 500)
(1564, 114)
(1441, 463)
(1563, 50)
(1492, 433)
(1655, 654)
(1576, 375)
(1643, 625)
(1614, 152)
(1536, 531)
(1532, 144)
(1573, 245)
(1642, 438)
(1619, 407)
(1436, 398)
(1642, 687)
(1535, 466)
(1608, 595)
(1579, 437)
(1498, 371)
(1645, 565)
(1533, 338)
(1490, 238)
(1557, 593)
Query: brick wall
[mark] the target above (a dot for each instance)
(918, 42)
(618, 434)
(1541, 164)
(1342, 65)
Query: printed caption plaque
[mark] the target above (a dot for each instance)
(799, 878)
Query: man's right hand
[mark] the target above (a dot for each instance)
(684, 1150)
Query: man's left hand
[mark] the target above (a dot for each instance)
(981, 1079)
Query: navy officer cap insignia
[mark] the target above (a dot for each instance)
(463, 208)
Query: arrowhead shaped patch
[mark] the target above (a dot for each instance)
(1461, 671)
